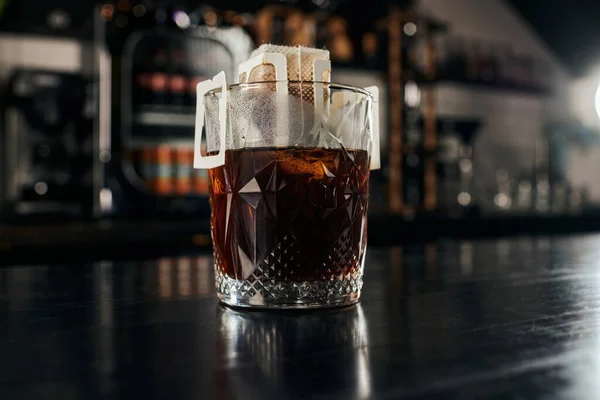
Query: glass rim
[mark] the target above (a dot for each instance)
(333, 85)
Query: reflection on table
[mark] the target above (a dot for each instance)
(453, 318)
(268, 354)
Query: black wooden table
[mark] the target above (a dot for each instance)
(516, 318)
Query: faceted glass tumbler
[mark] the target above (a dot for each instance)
(289, 205)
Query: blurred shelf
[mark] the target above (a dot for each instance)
(165, 118)
(412, 75)
(476, 84)
(139, 239)
(494, 86)
(98, 240)
(140, 142)
(388, 230)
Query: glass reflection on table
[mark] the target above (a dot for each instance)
(271, 355)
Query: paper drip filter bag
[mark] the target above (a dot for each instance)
(292, 106)
(302, 64)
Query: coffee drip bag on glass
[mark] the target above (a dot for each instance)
(289, 159)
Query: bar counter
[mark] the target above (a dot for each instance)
(502, 318)
(86, 241)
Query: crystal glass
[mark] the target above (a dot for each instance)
(289, 202)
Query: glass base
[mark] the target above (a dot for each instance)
(339, 291)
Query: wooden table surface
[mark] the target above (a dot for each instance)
(508, 319)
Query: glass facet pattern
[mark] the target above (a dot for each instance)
(289, 206)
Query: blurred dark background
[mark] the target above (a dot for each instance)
(489, 113)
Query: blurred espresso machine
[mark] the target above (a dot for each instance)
(46, 146)
(100, 123)
(47, 113)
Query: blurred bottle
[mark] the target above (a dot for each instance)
(524, 196)
(162, 183)
(503, 198)
(542, 180)
(310, 29)
(370, 50)
(159, 79)
(184, 159)
(449, 172)
(338, 42)
(465, 164)
(262, 25)
(200, 182)
(296, 32)
(542, 195)
(412, 101)
(413, 169)
(455, 158)
(177, 79)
